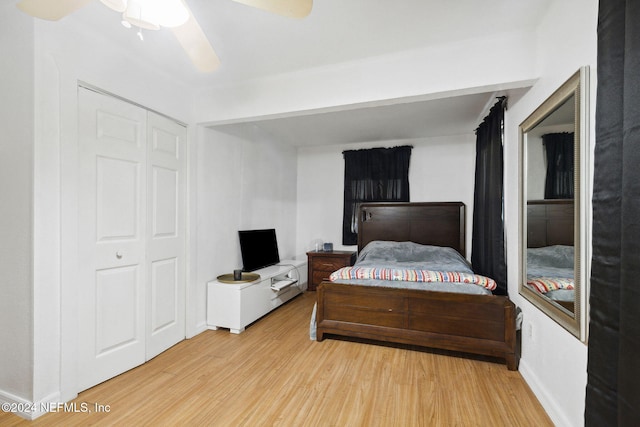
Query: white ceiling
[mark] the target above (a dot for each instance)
(254, 44)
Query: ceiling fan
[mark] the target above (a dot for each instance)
(174, 14)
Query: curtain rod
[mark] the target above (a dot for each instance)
(502, 102)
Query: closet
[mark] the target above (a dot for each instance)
(131, 235)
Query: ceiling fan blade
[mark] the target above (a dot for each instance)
(196, 45)
(288, 8)
(51, 10)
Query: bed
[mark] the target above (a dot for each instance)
(550, 250)
(477, 323)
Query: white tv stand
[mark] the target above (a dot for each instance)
(236, 305)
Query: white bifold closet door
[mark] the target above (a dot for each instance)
(131, 224)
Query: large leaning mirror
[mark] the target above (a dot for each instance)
(553, 166)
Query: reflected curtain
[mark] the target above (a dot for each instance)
(613, 368)
(487, 245)
(372, 175)
(560, 154)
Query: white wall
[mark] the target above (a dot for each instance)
(440, 170)
(553, 361)
(450, 68)
(242, 184)
(16, 207)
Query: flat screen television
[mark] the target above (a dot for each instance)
(259, 248)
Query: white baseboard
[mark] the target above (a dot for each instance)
(198, 329)
(552, 408)
(29, 410)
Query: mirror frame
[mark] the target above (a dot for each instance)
(578, 86)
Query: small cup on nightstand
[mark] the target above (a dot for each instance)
(237, 274)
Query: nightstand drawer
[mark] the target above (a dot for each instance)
(322, 264)
(319, 276)
(328, 264)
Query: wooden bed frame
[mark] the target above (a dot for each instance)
(478, 324)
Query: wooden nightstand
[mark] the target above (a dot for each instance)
(322, 264)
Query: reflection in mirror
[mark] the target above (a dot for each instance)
(550, 251)
(552, 207)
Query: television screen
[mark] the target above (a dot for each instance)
(259, 248)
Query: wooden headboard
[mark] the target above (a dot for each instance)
(550, 222)
(427, 223)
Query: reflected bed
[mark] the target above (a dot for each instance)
(550, 272)
(550, 252)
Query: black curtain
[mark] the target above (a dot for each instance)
(613, 368)
(487, 245)
(560, 154)
(372, 175)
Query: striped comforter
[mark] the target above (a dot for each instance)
(411, 275)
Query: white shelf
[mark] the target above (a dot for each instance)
(234, 306)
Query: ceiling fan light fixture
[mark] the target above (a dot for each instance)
(170, 13)
(139, 15)
(150, 14)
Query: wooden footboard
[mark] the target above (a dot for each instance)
(477, 324)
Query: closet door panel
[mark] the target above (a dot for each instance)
(164, 279)
(117, 193)
(166, 233)
(111, 237)
(165, 202)
(115, 315)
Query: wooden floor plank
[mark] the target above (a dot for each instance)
(274, 375)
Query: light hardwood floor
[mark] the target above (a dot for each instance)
(273, 375)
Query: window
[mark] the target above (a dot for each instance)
(559, 179)
(372, 175)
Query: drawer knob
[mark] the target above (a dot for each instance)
(390, 309)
